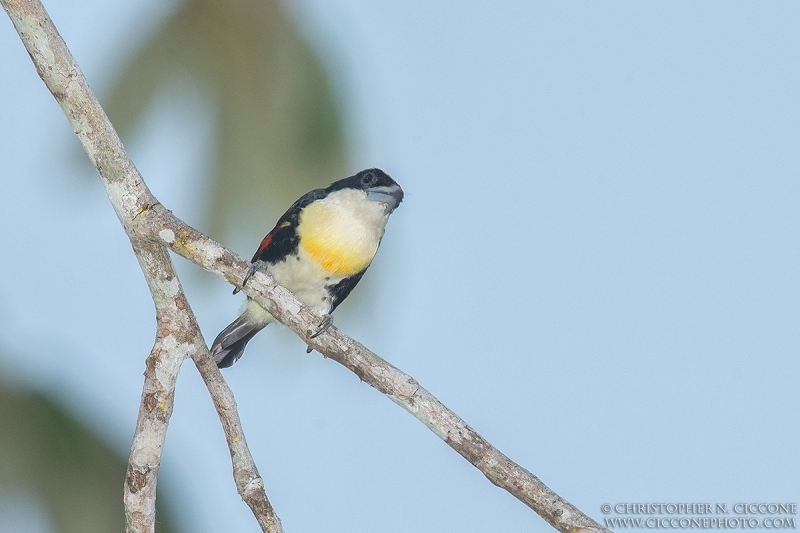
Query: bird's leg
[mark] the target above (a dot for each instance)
(258, 265)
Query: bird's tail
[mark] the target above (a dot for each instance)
(229, 344)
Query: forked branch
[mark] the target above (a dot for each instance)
(177, 332)
(149, 224)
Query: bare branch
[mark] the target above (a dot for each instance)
(177, 334)
(400, 387)
(174, 339)
(145, 219)
(248, 481)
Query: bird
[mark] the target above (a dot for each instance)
(319, 250)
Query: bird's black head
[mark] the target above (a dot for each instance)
(378, 185)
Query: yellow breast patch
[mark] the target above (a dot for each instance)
(338, 238)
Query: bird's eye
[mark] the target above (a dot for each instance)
(368, 178)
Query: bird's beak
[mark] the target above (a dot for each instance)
(391, 195)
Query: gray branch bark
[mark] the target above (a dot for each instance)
(151, 227)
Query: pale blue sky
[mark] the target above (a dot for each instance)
(596, 264)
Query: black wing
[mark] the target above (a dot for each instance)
(282, 240)
(342, 290)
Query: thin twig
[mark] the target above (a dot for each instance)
(248, 481)
(177, 332)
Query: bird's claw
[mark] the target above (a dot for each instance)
(258, 265)
(327, 322)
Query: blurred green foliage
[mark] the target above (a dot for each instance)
(48, 453)
(279, 128)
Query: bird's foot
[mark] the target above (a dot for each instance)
(327, 322)
(258, 265)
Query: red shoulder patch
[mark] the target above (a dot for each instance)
(268, 239)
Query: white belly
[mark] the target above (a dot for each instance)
(306, 279)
